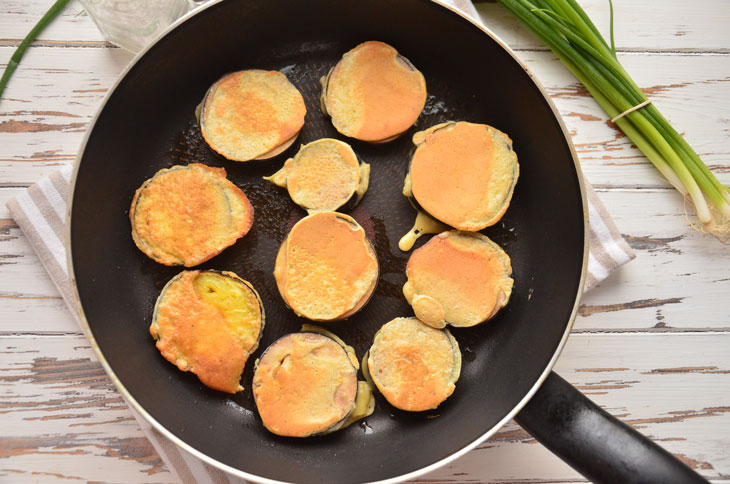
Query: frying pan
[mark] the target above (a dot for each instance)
(147, 123)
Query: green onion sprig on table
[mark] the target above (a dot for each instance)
(569, 33)
(20, 51)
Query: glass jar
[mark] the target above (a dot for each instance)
(132, 24)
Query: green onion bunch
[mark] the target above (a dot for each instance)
(569, 33)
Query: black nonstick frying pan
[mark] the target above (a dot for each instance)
(147, 123)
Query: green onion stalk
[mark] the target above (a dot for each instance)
(568, 31)
(20, 51)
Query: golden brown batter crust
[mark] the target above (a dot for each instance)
(196, 337)
(185, 215)
(304, 384)
(459, 278)
(463, 174)
(248, 114)
(326, 268)
(413, 365)
(373, 93)
(323, 175)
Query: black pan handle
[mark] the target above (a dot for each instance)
(596, 444)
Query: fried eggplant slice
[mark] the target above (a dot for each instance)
(373, 94)
(414, 366)
(184, 215)
(458, 278)
(326, 269)
(463, 174)
(251, 115)
(209, 323)
(324, 176)
(305, 384)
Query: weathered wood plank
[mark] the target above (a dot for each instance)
(72, 25)
(48, 105)
(35, 314)
(23, 274)
(693, 91)
(692, 291)
(6, 193)
(656, 26)
(687, 99)
(82, 428)
(695, 270)
(653, 26)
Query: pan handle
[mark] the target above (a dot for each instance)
(596, 444)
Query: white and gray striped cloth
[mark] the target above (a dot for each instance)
(40, 212)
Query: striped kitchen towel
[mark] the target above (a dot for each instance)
(40, 212)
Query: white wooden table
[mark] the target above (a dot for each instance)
(651, 344)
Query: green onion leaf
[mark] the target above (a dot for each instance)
(568, 31)
(20, 51)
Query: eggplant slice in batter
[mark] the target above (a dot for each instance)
(326, 269)
(414, 366)
(373, 94)
(305, 384)
(462, 174)
(324, 176)
(184, 215)
(209, 323)
(251, 115)
(458, 278)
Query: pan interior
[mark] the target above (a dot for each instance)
(148, 124)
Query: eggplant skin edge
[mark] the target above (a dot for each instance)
(179, 359)
(357, 190)
(281, 268)
(377, 385)
(505, 283)
(299, 108)
(336, 118)
(238, 209)
(500, 139)
(363, 392)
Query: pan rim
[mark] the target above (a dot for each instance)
(137, 408)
